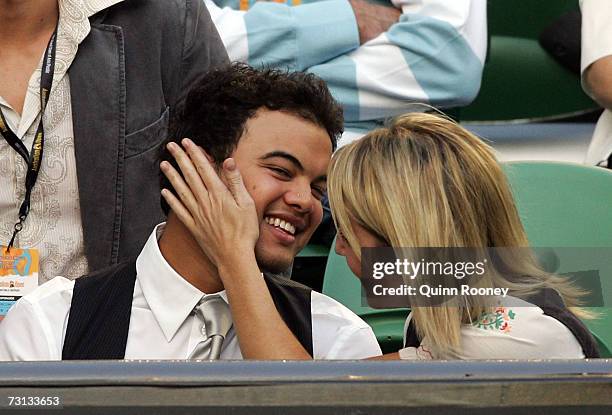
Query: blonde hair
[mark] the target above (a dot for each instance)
(425, 181)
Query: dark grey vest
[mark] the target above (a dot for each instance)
(102, 304)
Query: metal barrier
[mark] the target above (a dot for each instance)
(339, 387)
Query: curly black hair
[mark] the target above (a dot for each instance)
(218, 107)
(216, 110)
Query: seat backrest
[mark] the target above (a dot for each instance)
(524, 18)
(563, 204)
(568, 207)
(521, 81)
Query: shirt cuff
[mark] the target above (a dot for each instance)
(326, 29)
(414, 353)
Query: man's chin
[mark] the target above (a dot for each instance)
(277, 263)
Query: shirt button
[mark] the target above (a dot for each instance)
(203, 330)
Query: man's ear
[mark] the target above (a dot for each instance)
(219, 170)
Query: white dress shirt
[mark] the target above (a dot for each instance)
(54, 223)
(521, 332)
(162, 325)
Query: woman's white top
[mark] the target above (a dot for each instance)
(521, 331)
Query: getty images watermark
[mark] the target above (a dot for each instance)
(408, 277)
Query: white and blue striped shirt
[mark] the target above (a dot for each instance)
(434, 54)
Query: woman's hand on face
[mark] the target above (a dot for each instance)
(221, 216)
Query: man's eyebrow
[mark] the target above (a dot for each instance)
(289, 157)
(293, 160)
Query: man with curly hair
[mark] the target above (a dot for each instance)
(280, 129)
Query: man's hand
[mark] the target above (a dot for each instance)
(373, 19)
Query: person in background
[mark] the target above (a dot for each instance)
(85, 190)
(596, 69)
(378, 58)
(172, 302)
(423, 181)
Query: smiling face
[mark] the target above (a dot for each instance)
(283, 160)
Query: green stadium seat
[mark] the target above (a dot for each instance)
(314, 250)
(521, 81)
(560, 204)
(524, 18)
(565, 205)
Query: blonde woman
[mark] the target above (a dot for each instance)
(424, 181)
(427, 182)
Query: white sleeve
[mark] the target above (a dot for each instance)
(434, 54)
(34, 327)
(338, 333)
(596, 31)
(22, 335)
(415, 353)
(276, 34)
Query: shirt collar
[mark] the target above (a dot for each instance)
(73, 27)
(170, 297)
(74, 18)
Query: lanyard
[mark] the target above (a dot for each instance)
(34, 157)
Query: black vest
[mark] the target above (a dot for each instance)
(102, 304)
(552, 304)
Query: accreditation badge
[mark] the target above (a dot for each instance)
(18, 275)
